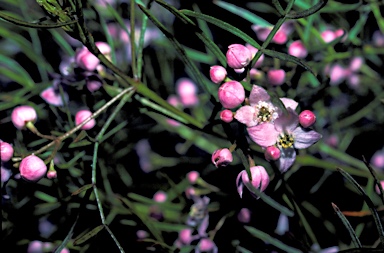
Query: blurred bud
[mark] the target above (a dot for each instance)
(254, 50)
(377, 189)
(244, 215)
(222, 157)
(185, 236)
(378, 39)
(32, 168)
(5, 174)
(272, 153)
(217, 73)
(238, 56)
(206, 245)
(297, 49)
(328, 36)
(307, 118)
(280, 37)
(6, 151)
(22, 115)
(377, 159)
(337, 74)
(53, 96)
(51, 174)
(142, 234)
(93, 85)
(260, 180)
(193, 176)
(160, 196)
(282, 225)
(226, 115)
(187, 91)
(83, 115)
(356, 63)
(231, 94)
(86, 60)
(276, 76)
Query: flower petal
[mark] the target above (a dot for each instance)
(287, 123)
(245, 115)
(239, 183)
(258, 94)
(289, 103)
(287, 158)
(305, 138)
(263, 134)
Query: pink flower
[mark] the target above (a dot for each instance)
(260, 180)
(297, 49)
(93, 85)
(32, 168)
(81, 116)
(231, 94)
(187, 91)
(86, 60)
(23, 114)
(226, 115)
(217, 73)
(222, 157)
(337, 74)
(160, 197)
(377, 189)
(244, 216)
(307, 118)
(377, 159)
(52, 174)
(193, 176)
(276, 76)
(254, 50)
(238, 56)
(206, 245)
(286, 135)
(6, 151)
(53, 96)
(185, 236)
(355, 64)
(281, 35)
(329, 35)
(260, 108)
(5, 174)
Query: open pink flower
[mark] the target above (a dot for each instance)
(286, 134)
(260, 108)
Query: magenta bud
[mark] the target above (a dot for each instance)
(280, 37)
(22, 115)
(6, 151)
(193, 176)
(53, 97)
(160, 197)
(377, 188)
(226, 115)
(86, 60)
(377, 159)
(185, 236)
(276, 76)
(206, 245)
(222, 157)
(32, 168)
(272, 153)
(328, 36)
(231, 94)
(378, 39)
(297, 49)
(356, 63)
(93, 85)
(244, 215)
(307, 118)
(190, 192)
(51, 174)
(217, 73)
(337, 74)
(238, 56)
(187, 91)
(260, 180)
(83, 115)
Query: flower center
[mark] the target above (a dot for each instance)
(285, 141)
(265, 112)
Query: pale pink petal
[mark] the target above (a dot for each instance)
(264, 134)
(289, 103)
(287, 122)
(305, 138)
(245, 115)
(287, 158)
(258, 94)
(240, 184)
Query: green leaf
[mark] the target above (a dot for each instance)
(307, 12)
(243, 13)
(87, 236)
(82, 189)
(267, 238)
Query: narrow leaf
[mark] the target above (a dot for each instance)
(348, 226)
(88, 235)
(82, 189)
(308, 12)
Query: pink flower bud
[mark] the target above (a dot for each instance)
(260, 180)
(238, 56)
(190, 192)
(206, 245)
(23, 114)
(356, 63)
(35, 247)
(103, 47)
(160, 197)
(244, 215)
(5, 174)
(328, 36)
(93, 85)
(297, 49)
(276, 76)
(307, 118)
(222, 157)
(187, 91)
(185, 236)
(52, 174)
(217, 73)
(6, 151)
(280, 37)
(226, 115)
(231, 94)
(142, 234)
(83, 115)
(86, 60)
(254, 50)
(337, 74)
(53, 97)
(193, 176)
(378, 39)
(272, 153)
(382, 186)
(377, 159)
(32, 168)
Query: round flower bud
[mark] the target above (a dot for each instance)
(217, 73)
(377, 159)
(244, 216)
(231, 94)
(86, 60)
(377, 188)
(260, 180)
(160, 197)
(272, 153)
(23, 114)
(206, 245)
(52, 174)
(83, 115)
(226, 115)
(276, 76)
(238, 56)
(193, 176)
(32, 168)
(297, 49)
(6, 151)
(187, 91)
(222, 157)
(307, 118)
(185, 236)
(93, 85)
(356, 63)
